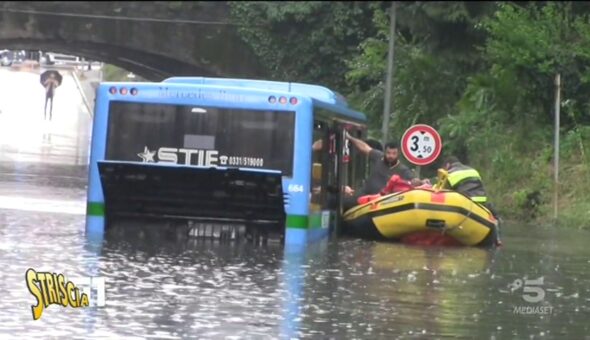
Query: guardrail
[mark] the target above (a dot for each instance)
(82, 93)
(74, 63)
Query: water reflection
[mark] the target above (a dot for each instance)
(439, 287)
(194, 287)
(381, 289)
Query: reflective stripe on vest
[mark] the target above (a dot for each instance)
(455, 177)
(479, 199)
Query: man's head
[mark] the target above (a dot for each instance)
(391, 153)
(449, 161)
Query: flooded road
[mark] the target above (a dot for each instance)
(168, 288)
(537, 286)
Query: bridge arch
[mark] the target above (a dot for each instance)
(204, 44)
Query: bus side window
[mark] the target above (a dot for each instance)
(320, 148)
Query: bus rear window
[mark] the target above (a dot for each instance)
(198, 135)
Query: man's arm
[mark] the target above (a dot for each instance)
(409, 175)
(406, 173)
(359, 144)
(317, 145)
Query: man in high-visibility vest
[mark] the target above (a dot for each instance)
(466, 180)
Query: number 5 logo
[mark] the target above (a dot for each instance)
(532, 293)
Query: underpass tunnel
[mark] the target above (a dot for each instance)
(149, 65)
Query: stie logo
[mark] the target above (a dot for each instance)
(52, 288)
(199, 157)
(191, 156)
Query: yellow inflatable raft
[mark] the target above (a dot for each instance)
(419, 214)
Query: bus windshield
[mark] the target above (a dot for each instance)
(200, 135)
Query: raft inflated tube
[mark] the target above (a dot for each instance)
(396, 216)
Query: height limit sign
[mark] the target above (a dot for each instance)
(421, 144)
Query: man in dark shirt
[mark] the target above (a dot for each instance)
(384, 164)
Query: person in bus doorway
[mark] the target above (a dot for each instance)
(332, 191)
(385, 164)
(375, 145)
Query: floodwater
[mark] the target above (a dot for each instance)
(534, 287)
(169, 288)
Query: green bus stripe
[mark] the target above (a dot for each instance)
(293, 221)
(315, 221)
(297, 221)
(95, 209)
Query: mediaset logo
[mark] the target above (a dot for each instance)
(533, 292)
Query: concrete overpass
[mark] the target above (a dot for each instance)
(152, 39)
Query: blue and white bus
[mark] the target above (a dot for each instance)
(225, 151)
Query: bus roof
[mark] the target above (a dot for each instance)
(316, 92)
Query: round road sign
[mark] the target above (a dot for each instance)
(421, 144)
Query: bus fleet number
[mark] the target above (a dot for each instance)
(295, 188)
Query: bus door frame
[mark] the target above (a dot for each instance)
(342, 165)
(339, 167)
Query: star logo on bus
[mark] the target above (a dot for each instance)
(147, 155)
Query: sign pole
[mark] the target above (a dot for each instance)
(387, 104)
(556, 146)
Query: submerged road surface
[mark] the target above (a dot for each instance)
(158, 286)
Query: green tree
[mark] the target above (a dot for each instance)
(305, 41)
(435, 52)
(511, 103)
(526, 47)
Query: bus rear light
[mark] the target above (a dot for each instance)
(123, 90)
(272, 99)
(293, 101)
(283, 100)
(133, 91)
(113, 90)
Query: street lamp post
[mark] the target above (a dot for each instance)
(387, 112)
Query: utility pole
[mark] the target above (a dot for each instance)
(556, 146)
(387, 105)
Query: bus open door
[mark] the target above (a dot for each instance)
(349, 167)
